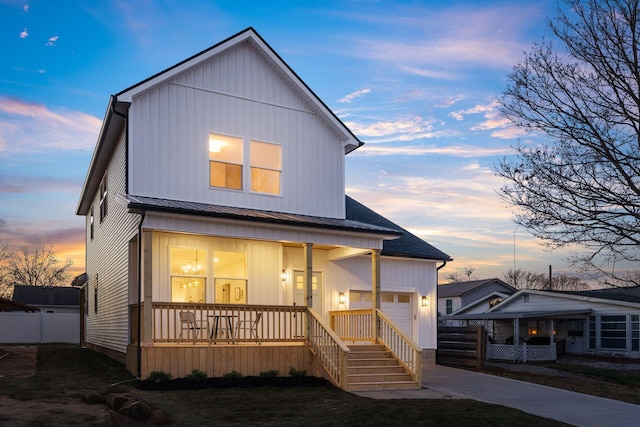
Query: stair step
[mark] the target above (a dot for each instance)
(390, 385)
(367, 347)
(387, 361)
(378, 378)
(392, 369)
(370, 354)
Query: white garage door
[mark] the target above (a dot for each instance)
(396, 305)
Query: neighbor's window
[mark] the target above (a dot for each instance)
(225, 161)
(635, 332)
(592, 332)
(449, 305)
(188, 274)
(103, 199)
(613, 332)
(230, 272)
(266, 166)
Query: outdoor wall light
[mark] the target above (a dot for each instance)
(425, 301)
(284, 275)
(342, 298)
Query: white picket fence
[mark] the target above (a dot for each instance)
(39, 328)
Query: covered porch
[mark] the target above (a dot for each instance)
(528, 336)
(251, 339)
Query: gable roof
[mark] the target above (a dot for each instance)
(630, 294)
(461, 288)
(408, 245)
(46, 295)
(118, 108)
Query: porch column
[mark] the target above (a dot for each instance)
(308, 280)
(147, 289)
(375, 294)
(516, 338)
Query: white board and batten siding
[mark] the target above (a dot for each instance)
(240, 94)
(107, 261)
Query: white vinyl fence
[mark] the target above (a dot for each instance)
(39, 327)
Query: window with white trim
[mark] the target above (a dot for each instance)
(613, 332)
(103, 198)
(449, 306)
(227, 161)
(188, 270)
(266, 166)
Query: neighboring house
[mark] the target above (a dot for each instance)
(42, 315)
(49, 299)
(483, 294)
(546, 323)
(219, 236)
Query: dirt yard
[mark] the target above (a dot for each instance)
(20, 362)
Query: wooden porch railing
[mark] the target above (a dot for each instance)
(352, 325)
(329, 349)
(276, 324)
(402, 346)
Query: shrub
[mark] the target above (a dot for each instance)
(269, 374)
(297, 373)
(159, 376)
(233, 375)
(197, 376)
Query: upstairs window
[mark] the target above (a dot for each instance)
(103, 199)
(225, 162)
(91, 223)
(266, 166)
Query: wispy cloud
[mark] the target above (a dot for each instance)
(464, 151)
(353, 95)
(26, 127)
(52, 41)
(24, 34)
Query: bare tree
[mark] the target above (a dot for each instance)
(466, 276)
(582, 92)
(520, 279)
(5, 287)
(35, 265)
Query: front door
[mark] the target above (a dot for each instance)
(316, 286)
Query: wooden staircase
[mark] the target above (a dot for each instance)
(372, 367)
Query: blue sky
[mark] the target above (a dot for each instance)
(417, 81)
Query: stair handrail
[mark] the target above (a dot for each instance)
(329, 349)
(403, 347)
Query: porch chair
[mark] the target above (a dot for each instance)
(189, 323)
(251, 326)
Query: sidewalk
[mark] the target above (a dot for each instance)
(578, 409)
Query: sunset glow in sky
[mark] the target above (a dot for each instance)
(417, 81)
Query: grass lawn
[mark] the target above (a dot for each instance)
(623, 385)
(50, 397)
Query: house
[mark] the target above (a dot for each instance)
(548, 323)
(219, 236)
(50, 299)
(483, 294)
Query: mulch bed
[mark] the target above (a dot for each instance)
(244, 382)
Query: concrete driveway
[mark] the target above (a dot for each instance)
(562, 405)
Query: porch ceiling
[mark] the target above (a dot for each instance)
(522, 315)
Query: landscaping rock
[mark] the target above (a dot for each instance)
(136, 409)
(116, 400)
(157, 418)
